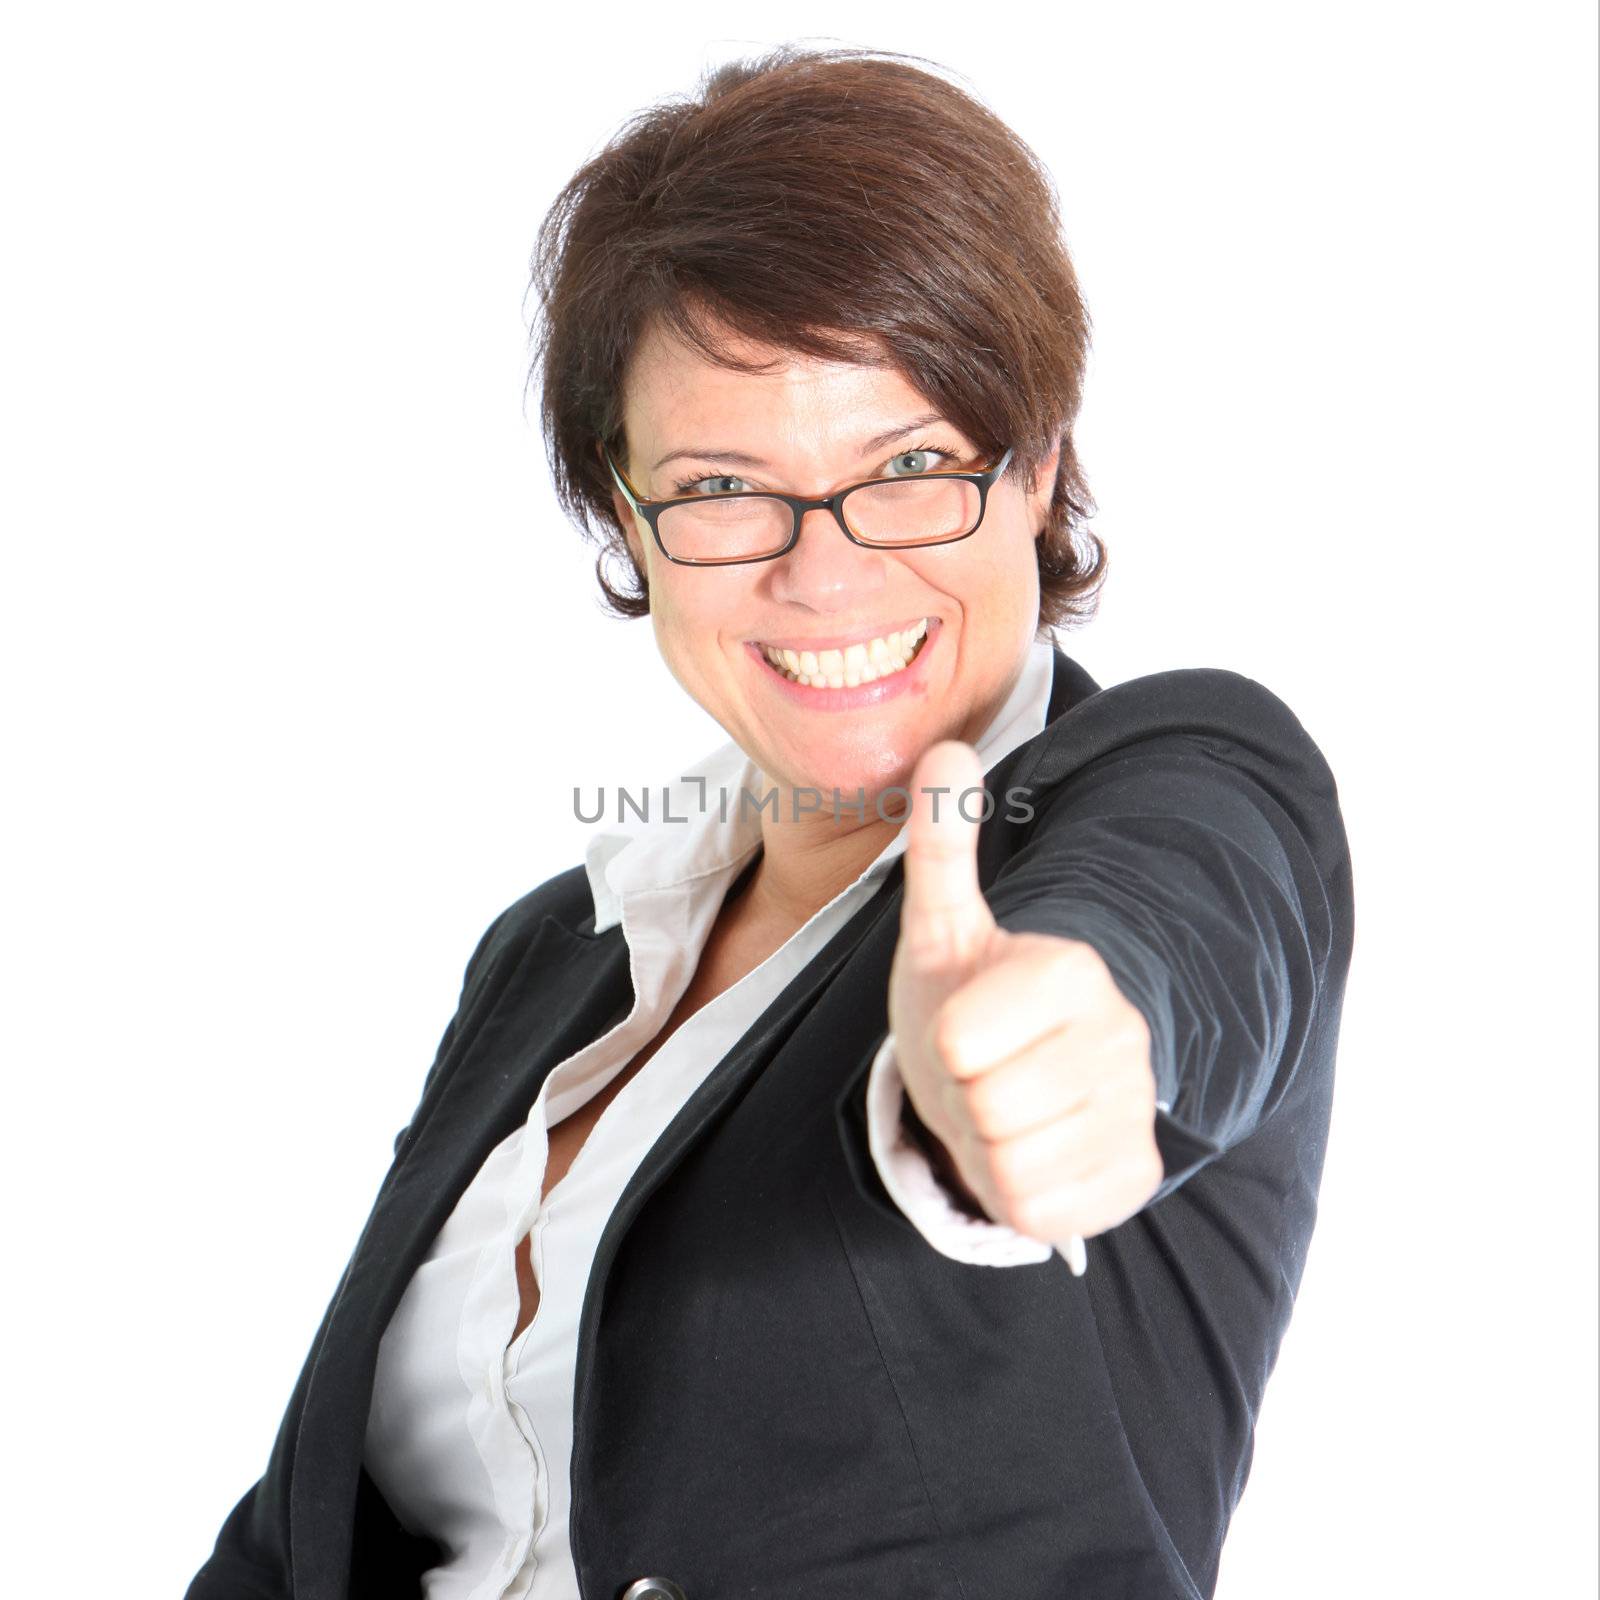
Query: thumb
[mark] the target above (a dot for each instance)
(944, 919)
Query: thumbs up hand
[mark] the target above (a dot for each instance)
(1018, 1050)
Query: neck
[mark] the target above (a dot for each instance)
(804, 864)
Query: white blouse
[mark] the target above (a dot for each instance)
(469, 1437)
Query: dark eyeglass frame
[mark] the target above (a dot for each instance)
(651, 510)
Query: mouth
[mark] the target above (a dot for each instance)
(849, 674)
(849, 666)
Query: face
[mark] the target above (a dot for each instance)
(801, 429)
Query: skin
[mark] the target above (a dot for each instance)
(1017, 1050)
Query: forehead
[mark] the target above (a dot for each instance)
(672, 394)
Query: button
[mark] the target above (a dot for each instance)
(652, 1589)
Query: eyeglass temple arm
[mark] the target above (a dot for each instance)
(621, 482)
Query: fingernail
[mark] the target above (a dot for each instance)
(1077, 1256)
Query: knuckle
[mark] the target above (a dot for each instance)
(1140, 1091)
(957, 1108)
(1007, 1176)
(1023, 1215)
(1068, 958)
(982, 1106)
(948, 1035)
(1057, 959)
(1132, 1027)
(1048, 1216)
(924, 944)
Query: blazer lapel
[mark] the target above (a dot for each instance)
(1068, 686)
(698, 1115)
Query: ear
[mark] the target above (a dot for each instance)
(630, 532)
(625, 517)
(1044, 486)
(1044, 480)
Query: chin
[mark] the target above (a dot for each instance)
(869, 772)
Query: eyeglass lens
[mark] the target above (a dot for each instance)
(739, 527)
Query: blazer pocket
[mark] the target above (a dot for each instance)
(936, 1575)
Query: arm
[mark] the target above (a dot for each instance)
(1196, 886)
(1190, 834)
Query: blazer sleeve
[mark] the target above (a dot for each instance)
(251, 1558)
(1188, 828)
(1202, 853)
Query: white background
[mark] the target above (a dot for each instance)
(301, 659)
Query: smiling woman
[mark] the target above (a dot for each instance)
(840, 1186)
(952, 619)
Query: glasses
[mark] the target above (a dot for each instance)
(718, 530)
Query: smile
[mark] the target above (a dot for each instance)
(851, 674)
(863, 662)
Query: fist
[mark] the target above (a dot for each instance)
(1018, 1050)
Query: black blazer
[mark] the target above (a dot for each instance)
(783, 1392)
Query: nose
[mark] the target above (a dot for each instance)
(826, 571)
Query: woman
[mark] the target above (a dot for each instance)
(737, 1244)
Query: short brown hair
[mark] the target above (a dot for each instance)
(812, 200)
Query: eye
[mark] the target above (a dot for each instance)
(720, 485)
(925, 458)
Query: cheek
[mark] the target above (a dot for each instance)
(1020, 556)
(1009, 570)
(691, 620)
(674, 632)
(1004, 603)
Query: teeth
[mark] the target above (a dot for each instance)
(856, 664)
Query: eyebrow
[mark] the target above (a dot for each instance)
(739, 459)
